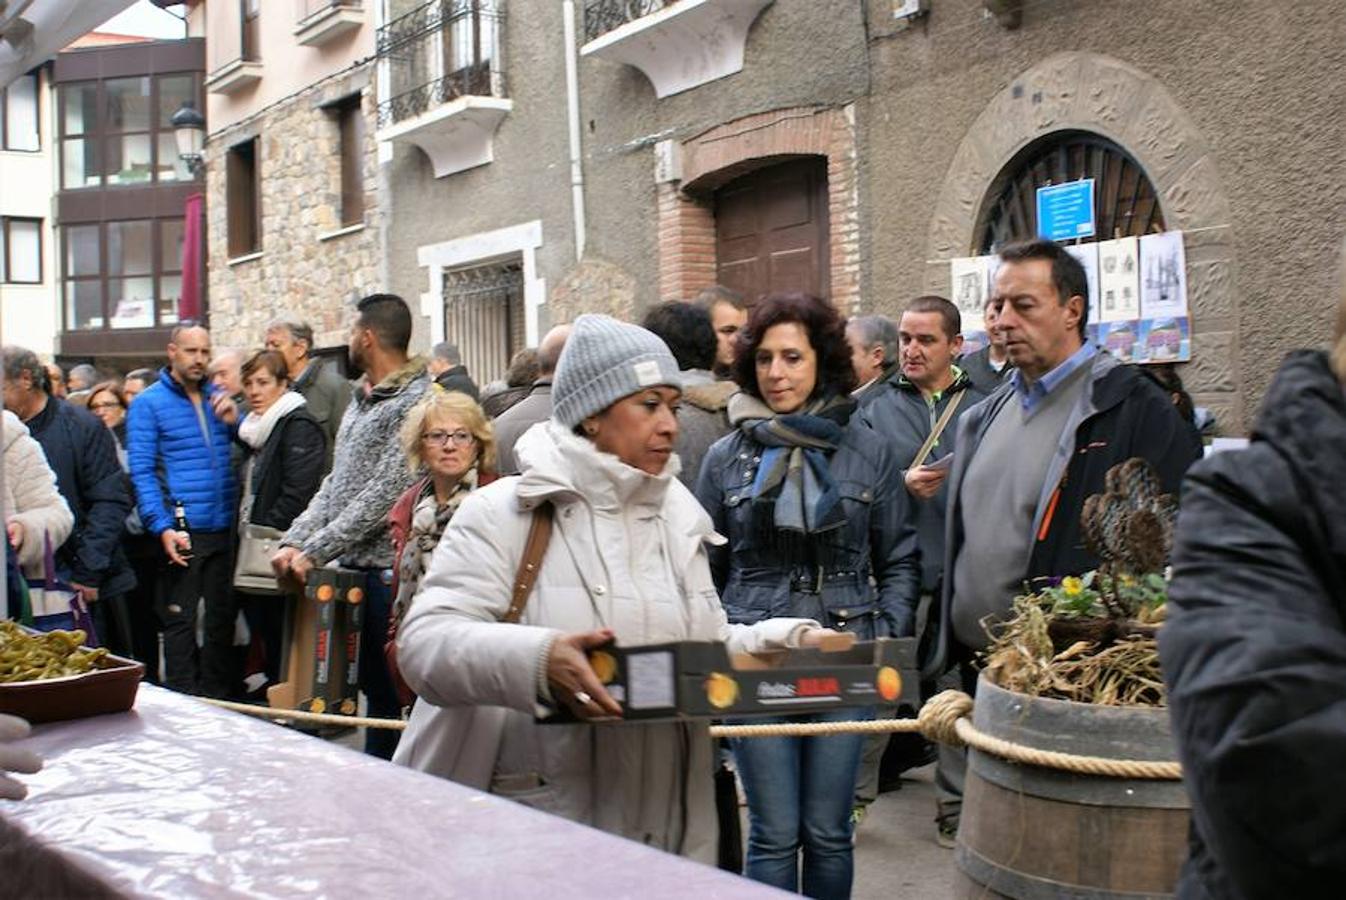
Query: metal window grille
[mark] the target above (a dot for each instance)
(1125, 201)
(484, 316)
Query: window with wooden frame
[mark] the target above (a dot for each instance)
(20, 250)
(243, 199)
(351, 138)
(125, 274)
(19, 116)
(119, 131)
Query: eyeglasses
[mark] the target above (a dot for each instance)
(111, 404)
(460, 438)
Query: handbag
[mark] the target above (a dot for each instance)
(534, 548)
(252, 566)
(256, 545)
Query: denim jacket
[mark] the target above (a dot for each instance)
(864, 577)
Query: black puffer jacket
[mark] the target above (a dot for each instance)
(288, 469)
(864, 577)
(1254, 651)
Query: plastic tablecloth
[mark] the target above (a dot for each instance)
(180, 799)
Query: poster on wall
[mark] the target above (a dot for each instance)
(1163, 285)
(1087, 254)
(968, 289)
(1119, 280)
(1164, 340)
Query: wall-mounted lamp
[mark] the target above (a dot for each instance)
(189, 130)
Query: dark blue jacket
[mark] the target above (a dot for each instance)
(82, 453)
(179, 452)
(864, 577)
(898, 411)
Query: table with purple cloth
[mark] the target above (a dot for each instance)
(180, 799)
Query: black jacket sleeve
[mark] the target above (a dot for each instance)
(1254, 654)
(106, 502)
(895, 551)
(301, 458)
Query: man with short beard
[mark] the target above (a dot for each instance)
(179, 436)
(347, 520)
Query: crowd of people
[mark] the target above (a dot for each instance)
(760, 474)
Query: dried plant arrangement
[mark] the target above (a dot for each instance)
(1091, 638)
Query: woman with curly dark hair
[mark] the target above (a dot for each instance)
(818, 527)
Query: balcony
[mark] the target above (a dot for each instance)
(442, 83)
(233, 45)
(322, 21)
(678, 44)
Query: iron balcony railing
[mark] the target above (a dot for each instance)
(602, 16)
(439, 52)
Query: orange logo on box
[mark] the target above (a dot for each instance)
(605, 667)
(889, 683)
(354, 595)
(324, 592)
(721, 690)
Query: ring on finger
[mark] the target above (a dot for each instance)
(583, 698)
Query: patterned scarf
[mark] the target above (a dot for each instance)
(793, 491)
(429, 518)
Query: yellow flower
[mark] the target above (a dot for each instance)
(1072, 586)
(1127, 581)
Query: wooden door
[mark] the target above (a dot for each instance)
(771, 230)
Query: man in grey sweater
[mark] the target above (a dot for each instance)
(346, 520)
(1028, 457)
(536, 407)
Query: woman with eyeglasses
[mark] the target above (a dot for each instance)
(287, 450)
(449, 441)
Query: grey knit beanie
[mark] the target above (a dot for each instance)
(603, 361)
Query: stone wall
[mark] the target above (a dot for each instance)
(310, 267)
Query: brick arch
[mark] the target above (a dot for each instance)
(1091, 92)
(722, 153)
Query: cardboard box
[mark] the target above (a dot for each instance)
(698, 679)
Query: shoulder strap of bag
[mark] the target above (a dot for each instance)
(935, 432)
(539, 535)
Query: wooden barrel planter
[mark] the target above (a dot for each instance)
(1040, 834)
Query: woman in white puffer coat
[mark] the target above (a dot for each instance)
(34, 510)
(627, 559)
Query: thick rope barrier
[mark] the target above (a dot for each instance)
(944, 718)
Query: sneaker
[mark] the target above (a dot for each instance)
(858, 814)
(946, 834)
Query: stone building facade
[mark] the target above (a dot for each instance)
(846, 148)
(295, 215)
(311, 267)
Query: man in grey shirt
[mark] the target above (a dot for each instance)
(1028, 457)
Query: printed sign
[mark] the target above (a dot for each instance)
(1066, 211)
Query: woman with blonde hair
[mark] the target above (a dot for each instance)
(1254, 650)
(449, 441)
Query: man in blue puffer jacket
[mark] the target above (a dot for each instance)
(178, 440)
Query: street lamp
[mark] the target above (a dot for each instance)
(189, 130)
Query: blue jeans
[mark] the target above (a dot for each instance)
(799, 796)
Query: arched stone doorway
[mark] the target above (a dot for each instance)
(1095, 94)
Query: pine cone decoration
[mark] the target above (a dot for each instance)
(1130, 525)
